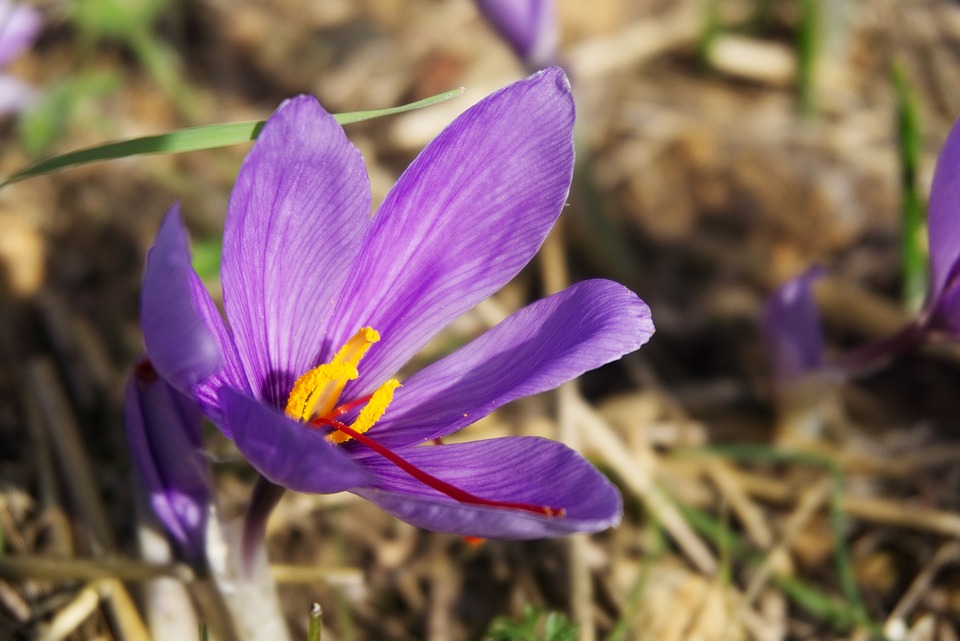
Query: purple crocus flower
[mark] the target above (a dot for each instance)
(163, 432)
(20, 26)
(324, 305)
(528, 26)
(792, 330)
(942, 308)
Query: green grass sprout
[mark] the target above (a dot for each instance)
(196, 139)
(710, 28)
(808, 52)
(534, 626)
(628, 623)
(913, 243)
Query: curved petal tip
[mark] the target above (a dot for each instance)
(178, 341)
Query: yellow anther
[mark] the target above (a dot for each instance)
(310, 387)
(316, 392)
(371, 412)
(357, 346)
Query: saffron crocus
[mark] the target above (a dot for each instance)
(19, 27)
(942, 308)
(163, 432)
(792, 330)
(528, 26)
(324, 305)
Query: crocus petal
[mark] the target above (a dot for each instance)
(527, 470)
(186, 339)
(528, 26)
(463, 219)
(163, 431)
(792, 329)
(536, 349)
(288, 453)
(182, 341)
(19, 27)
(297, 215)
(944, 224)
(15, 95)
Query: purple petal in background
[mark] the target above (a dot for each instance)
(536, 349)
(942, 310)
(20, 26)
(181, 328)
(186, 339)
(527, 470)
(297, 215)
(463, 219)
(15, 95)
(528, 26)
(163, 431)
(944, 213)
(791, 328)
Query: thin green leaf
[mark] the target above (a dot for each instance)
(536, 625)
(747, 452)
(629, 620)
(914, 233)
(819, 604)
(808, 52)
(843, 559)
(710, 28)
(196, 138)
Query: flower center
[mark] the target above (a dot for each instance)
(313, 400)
(315, 394)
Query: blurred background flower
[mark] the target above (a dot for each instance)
(529, 27)
(163, 430)
(792, 328)
(20, 26)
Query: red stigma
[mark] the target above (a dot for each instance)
(340, 410)
(427, 479)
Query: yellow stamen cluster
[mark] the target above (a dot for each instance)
(316, 384)
(315, 393)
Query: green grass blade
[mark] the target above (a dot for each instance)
(195, 139)
(629, 620)
(710, 28)
(914, 232)
(750, 453)
(808, 52)
(359, 116)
